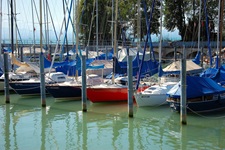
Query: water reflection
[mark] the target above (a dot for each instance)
(62, 125)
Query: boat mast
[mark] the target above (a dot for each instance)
(97, 27)
(139, 26)
(32, 11)
(199, 24)
(115, 43)
(112, 21)
(12, 42)
(77, 32)
(221, 29)
(218, 30)
(160, 41)
(42, 84)
(15, 27)
(0, 24)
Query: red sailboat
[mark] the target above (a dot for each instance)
(107, 93)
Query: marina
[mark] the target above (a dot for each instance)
(77, 80)
(63, 125)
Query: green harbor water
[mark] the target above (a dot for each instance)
(25, 125)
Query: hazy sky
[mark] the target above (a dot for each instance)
(25, 23)
(24, 18)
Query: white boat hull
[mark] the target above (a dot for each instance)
(150, 99)
(154, 95)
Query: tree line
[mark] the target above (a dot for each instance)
(182, 15)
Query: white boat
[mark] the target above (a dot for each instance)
(154, 95)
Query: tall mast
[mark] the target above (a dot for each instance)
(41, 25)
(77, 32)
(199, 23)
(32, 10)
(97, 26)
(12, 42)
(112, 20)
(15, 25)
(0, 24)
(160, 41)
(221, 29)
(218, 30)
(115, 42)
(139, 25)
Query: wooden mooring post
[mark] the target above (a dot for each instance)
(84, 90)
(183, 107)
(130, 87)
(6, 80)
(42, 84)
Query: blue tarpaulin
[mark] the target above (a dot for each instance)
(196, 87)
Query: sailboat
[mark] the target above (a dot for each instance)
(111, 92)
(154, 95)
(207, 95)
(108, 92)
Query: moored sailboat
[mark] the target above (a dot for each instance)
(32, 86)
(203, 95)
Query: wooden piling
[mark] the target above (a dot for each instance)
(84, 90)
(130, 86)
(42, 84)
(183, 108)
(6, 78)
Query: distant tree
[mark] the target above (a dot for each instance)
(175, 16)
(127, 19)
(183, 15)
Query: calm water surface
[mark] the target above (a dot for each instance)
(25, 125)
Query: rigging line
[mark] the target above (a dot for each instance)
(57, 44)
(38, 17)
(204, 115)
(123, 33)
(92, 18)
(25, 15)
(149, 34)
(32, 11)
(16, 25)
(8, 4)
(218, 29)
(65, 23)
(45, 20)
(199, 24)
(208, 35)
(149, 26)
(69, 18)
(52, 20)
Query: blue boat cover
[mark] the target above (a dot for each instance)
(218, 75)
(196, 87)
(70, 67)
(104, 56)
(47, 63)
(197, 58)
(149, 67)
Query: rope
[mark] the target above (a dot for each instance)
(204, 116)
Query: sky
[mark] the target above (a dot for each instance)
(25, 23)
(24, 18)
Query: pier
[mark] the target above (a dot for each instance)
(167, 48)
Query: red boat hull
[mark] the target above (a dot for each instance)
(108, 94)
